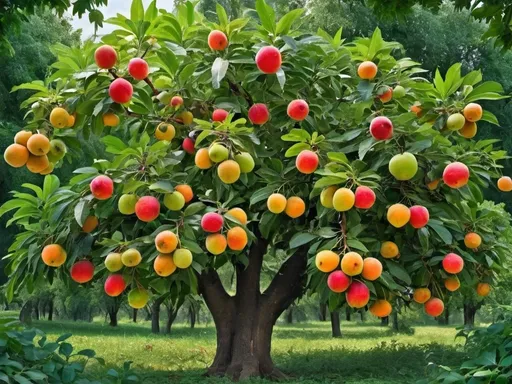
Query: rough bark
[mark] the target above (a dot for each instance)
(322, 312)
(335, 324)
(155, 314)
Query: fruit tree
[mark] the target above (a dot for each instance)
(240, 141)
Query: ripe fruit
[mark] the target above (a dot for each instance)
(398, 92)
(113, 262)
(57, 150)
(298, 110)
(343, 199)
(372, 268)
(120, 91)
(147, 208)
(22, 137)
(456, 175)
(16, 155)
(164, 265)
(307, 161)
(102, 187)
(455, 122)
(182, 258)
(216, 243)
(218, 153)
(295, 207)
(403, 166)
(276, 203)
(71, 121)
(388, 250)
(237, 238)
(417, 110)
(434, 307)
(90, 224)
(138, 298)
(381, 128)
(245, 161)
(165, 131)
(483, 289)
(59, 118)
(105, 57)
(131, 257)
(38, 144)
(239, 214)
(452, 283)
(364, 198)
(421, 295)
(453, 263)
(189, 145)
(381, 308)
(352, 263)
(110, 120)
(202, 159)
(126, 204)
(358, 295)
(327, 261)
(228, 171)
(212, 222)
(367, 70)
(114, 285)
(432, 186)
(338, 281)
(176, 101)
(472, 240)
(166, 242)
(186, 117)
(186, 191)
(469, 130)
(217, 40)
(268, 60)
(82, 271)
(37, 164)
(505, 184)
(398, 215)
(473, 112)
(138, 68)
(54, 255)
(174, 201)
(258, 114)
(48, 169)
(219, 115)
(419, 216)
(387, 95)
(326, 196)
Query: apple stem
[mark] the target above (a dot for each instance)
(148, 82)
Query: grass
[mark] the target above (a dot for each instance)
(367, 353)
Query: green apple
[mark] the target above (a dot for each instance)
(218, 153)
(113, 262)
(245, 161)
(57, 150)
(398, 92)
(182, 258)
(403, 166)
(455, 122)
(126, 204)
(138, 298)
(174, 201)
(131, 257)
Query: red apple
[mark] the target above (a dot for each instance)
(138, 68)
(258, 114)
(120, 91)
(82, 271)
(381, 128)
(419, 216)
(364, 197)
(212, 222)
(268, 60)
(147, 208)
(114, 285)
(338, 282)
(102, 187)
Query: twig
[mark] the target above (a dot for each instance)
(148, 82)
(113, 73)
(343, 225)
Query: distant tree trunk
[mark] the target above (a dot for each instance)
(384, 321)
(155, 315)
(470, 309)
(75, 315)
(192, 315)
(113, 318)
(289, 315)
(50, 310)
(348, 313)
(43, 308)
(362, 316)
(147, 311)
(171, 316)
(113, 309)
(322, 314)
(395, 320)
(134, 316)
(90, 315)
(36, 310)
(444, 319)
(335, 324)
(26, 312)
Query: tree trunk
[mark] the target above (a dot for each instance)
(171, 316)
(26, 312)
(36, 310)
(470, 309)
(192, 315)
(245, 322)
(335, 324)
(395, 320)
(155, 314)
(289, 316)
(134, 315)
(348, 313)
(322, 314)
(50, 310)
(112, 310)
(384, 321)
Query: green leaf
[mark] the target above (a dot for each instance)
(66, 349)
(151, 12)
(301, 238)
(162, 186)
(261, 194)
(68, 374)
(137, 11)
(267, 16)
(284, 25)
(490, 118)
(194, 208)
(296, 148)
(219, 69)
(398, 271)
(81, 211)
(297, 135)
(440, 229)
(222, 15)
(281, 77)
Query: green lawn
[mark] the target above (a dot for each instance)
(366, 354)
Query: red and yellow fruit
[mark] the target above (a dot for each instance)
(268, 60)
(381, 308)
(343, 199)
(182, 258)
(105, 57)
(147, 208)
(389, 250)
(483, 289)
(276, 203)
(186, 191)
(212, 222)
(164, 265)
(452, 283)
(114, 285)
(102, 187)
(16, 155)
(327, 195)
(473, 112)
(37, 164)
(372, 268)
(110, 119)
(216, 243)
(295, 207)
(202, 159)
(138, 68)
(120, 91)
(166, 242)
(421, 295)
(398, 215)
(364, 197)
(131, 257)
(258, 114)
(453, 263)
(165, 131)
(367, 70)
(90, 224)
(358, 294)
(38, 144)
(419, 216)
(387, 95)
(228, 171)
(239, 214)
(82, 271)
(434, 307)
(237, 238)
(307, 162)
(219, 115)
(54, 255)
(338, 281)
(217, 40)
(327, 261)
(505, 184)
(472, 240)
(381, 128)
(456, 175)
(298, 110)
(352, 264)
(59, 118)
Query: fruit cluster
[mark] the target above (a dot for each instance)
(236, 236)
(294, 206)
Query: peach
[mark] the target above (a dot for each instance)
(186, 191)
(258, 114)
(453, 263)
(217, 40)
(138, 298)
(166, 242)
(417, 110)
(469, 130)
(237, 238)
(505, 184)
(114, 285)
(381, 128)
(212, 222)
(164, 265)
(295, 207)
(421, 295)
(398, 215)
(82, 271)
(307, 161)
(138, 68)
(327, 261)
(147, 208)
(90, 224)
(352, 263)
(216, 243)
(165, 132)
(455, 122)
(110, 119)
(472, 240)
(434, 307)
(358, 294)
(105, 57)
(389, 250)
(176, 101)
(245, 161)
(71, 121)
(38, 144)
(239, 214)
(219, 115)
(189, 145)
(381, 308)
(276, 203)
(367, 70)
(268, 60)
(338, 281)
(16, 155)
(387, 95)
(131, 257)
(343, 199)
(483, 289)
(182, 258)
(120, 91)
(37, 164)
(327, 195)
(432, 185)
(186, 117)
(298, 110)
(22, 137)
(54, 255)
(59, 118)
(228, 171)
(49, 169)
(473, 112)
(102, 187)
(372, 269)
(202, 159)
(364, 198)
(419, 216)
(456, 175)
(403, 166)
(452, 283)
